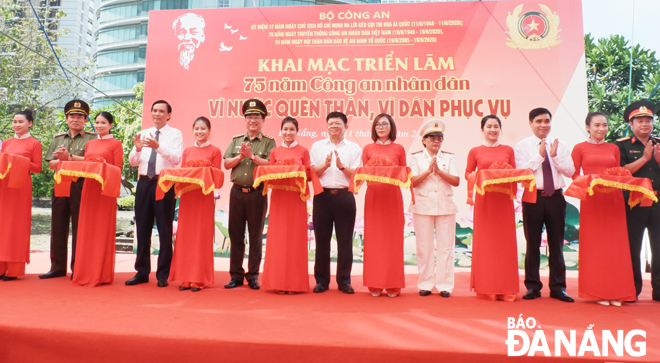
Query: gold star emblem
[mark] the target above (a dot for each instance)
(533, 25)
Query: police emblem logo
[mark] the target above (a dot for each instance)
(77, 104)
(436, 124)
(643, 109)
(533, 29)
(253, 104)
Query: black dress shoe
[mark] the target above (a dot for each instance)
(233, 283)
(561, 295)
(346, 289)
(52, 274)
(137, 280)
(254, 284)
(320, 288)
(424, 292)
(531, 294)
(8, 278)
(183, 288)
(163, 283)
(195, 289)
(445, 293)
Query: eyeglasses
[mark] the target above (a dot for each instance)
(382, 125)
(435, 138)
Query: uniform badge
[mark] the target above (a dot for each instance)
(533, 29)
(253, 104)
(76, 104)
(436, 125)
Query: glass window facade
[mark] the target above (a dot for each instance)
(107, 102)
(117, 81)
(123, 33)
(121, 57)
(120, 12)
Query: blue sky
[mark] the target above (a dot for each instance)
(605, 17)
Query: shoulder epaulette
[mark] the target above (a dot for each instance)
(416, 152)
(623, 139)
(60, 134)
(239, 135)
(268, 136)
(447, 152)
(90, 132)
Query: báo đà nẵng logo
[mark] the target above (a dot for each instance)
(533, 29)
(525, 337)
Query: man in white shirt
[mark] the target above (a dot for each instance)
(334, 160)
(155, 149)
(549, 159)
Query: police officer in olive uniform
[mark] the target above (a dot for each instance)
(247, 204)
(67, 146)
(641, 154)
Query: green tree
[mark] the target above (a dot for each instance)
(608, 76)
(30, 77)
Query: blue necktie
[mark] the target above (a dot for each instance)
(151, 168)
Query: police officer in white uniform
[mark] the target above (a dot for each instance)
(434, 175)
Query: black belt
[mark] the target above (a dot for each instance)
(144, 177)
(248, 189)
(335, 191)
(544, 194)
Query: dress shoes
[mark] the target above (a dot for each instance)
(184, 288)
(531, 294)
(346, 289)
(9, 278)
(254, 284)
(561, 295)
(424, 292)
(163, 283)
(320, 288)
(195, 289)
(445, 293)
(136, 280)
(233, 283)
(52, 274)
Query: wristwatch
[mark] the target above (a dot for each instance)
(342, 168)
(252, 157)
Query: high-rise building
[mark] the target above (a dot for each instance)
(76, 33)
(122, 37)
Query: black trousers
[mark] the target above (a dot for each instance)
(336, 210)
(63, 210)
(550, 211)
(146, 209)
(245, 208)
(639, 219)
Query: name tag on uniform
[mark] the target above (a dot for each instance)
(635, 151)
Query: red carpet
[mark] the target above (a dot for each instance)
(52, 321)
